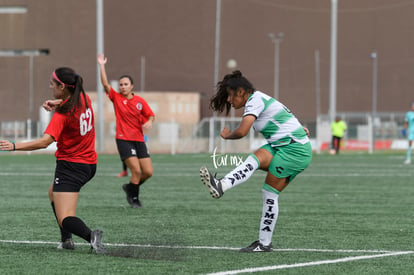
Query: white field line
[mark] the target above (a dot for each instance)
(31, 174)
(211, 247)
(378, 254)
(285, 266)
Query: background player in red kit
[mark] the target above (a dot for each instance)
(133, 114)
(72, 127)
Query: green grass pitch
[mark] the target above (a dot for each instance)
(346, 214)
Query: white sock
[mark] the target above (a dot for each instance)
(241, 173)
(269, 214)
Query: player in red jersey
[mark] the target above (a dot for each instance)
(133, 115)
(72, 127)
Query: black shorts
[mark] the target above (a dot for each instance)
(128, 148)
(71, 176)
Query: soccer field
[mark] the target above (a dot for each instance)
(346, 214)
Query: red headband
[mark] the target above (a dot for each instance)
(58, 80)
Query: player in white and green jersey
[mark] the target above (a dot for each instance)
(274, 121)
(286, 154)
(409, 126)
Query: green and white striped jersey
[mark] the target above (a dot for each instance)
(276, 122)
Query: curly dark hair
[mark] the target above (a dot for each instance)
(231, 81)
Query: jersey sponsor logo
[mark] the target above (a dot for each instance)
(139, 106)
(279, 169)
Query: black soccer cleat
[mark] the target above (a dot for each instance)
(257, 246)
(127, 192)
(131, 198)
(213, 184)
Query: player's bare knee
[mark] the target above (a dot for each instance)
(137, 173)
(147, 174)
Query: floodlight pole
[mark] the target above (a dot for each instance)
(231, 65)
(217, 42)
(276, 40)
(374, 58)
(318, 98)
(99, 87)
(29, 128)
(332, 78)
(318, 83)
(216, 69)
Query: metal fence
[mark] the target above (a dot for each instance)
(364, 132)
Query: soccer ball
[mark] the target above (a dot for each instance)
(231, 64)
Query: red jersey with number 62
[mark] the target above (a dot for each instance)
(74, 134)
(130, 115)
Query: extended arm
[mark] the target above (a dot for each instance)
(104, 79)
(40, 143)
(240, 131)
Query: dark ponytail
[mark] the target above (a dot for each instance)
(74, 84)
(231, 81)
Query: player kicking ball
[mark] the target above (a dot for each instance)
(287, 152)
